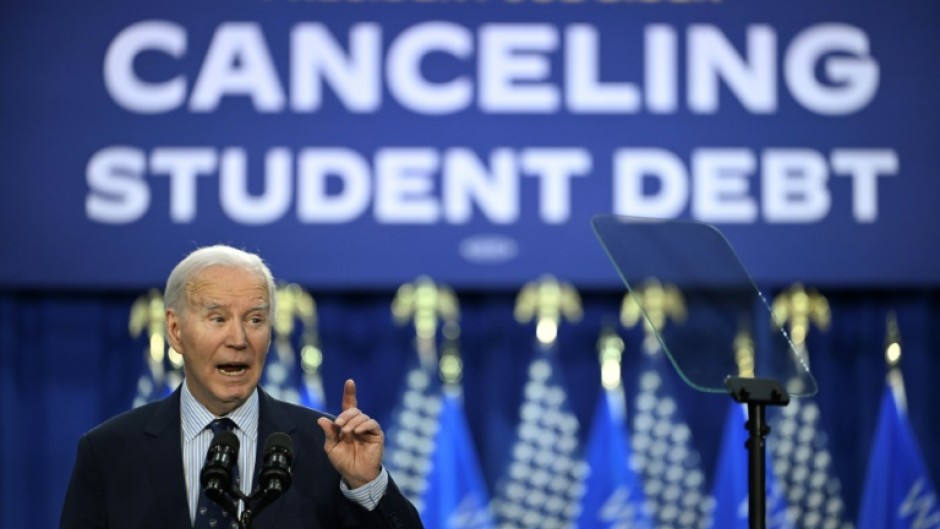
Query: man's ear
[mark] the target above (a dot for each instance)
(174, 330)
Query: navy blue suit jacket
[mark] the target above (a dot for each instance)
(129, 474)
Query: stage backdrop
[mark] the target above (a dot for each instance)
(358, 144)
(67, 362)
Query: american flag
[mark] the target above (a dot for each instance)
(663, 453)
(544, 481)
(801, 460)
(414, 425)
(797, 443)
(281, 376)
(159, 375)
(154, 384)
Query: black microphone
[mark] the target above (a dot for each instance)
(216, 474)
(275, 476)
(275, 468)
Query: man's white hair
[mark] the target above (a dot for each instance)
(174, 295)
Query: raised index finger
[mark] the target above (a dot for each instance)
(349, 395)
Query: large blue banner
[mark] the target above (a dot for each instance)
(361, 143)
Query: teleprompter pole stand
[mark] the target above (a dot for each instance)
(757, 393)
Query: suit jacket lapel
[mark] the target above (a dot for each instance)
(162, 443)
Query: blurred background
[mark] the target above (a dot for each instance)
(421, 177)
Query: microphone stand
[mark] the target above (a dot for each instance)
(258, 500)
(273, 481)
(757, 393)
(254, 503)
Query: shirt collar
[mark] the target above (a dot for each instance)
(195, 417)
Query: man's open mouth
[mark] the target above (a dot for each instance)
(233, 370)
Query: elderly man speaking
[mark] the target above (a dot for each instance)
(142, 468)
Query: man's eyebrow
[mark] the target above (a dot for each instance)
(210, 305)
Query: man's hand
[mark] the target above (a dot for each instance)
(354, 442)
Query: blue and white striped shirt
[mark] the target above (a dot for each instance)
(197, 438)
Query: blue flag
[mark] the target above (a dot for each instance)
(456, 496)
(731, 480)
(899, 493)
(311, 395)
(613, 494)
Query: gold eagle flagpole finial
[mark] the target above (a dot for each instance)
(148, 316)
(893, 360)
(658, 302)
(426, 304)
(798, 308)
(451, 365)
(296, 306)
(610, 349)
(547, 301)
(744, 351)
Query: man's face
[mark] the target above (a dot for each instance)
(223, 335)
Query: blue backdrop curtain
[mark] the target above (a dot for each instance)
(67, 362)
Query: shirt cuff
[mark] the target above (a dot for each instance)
(368, 495)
